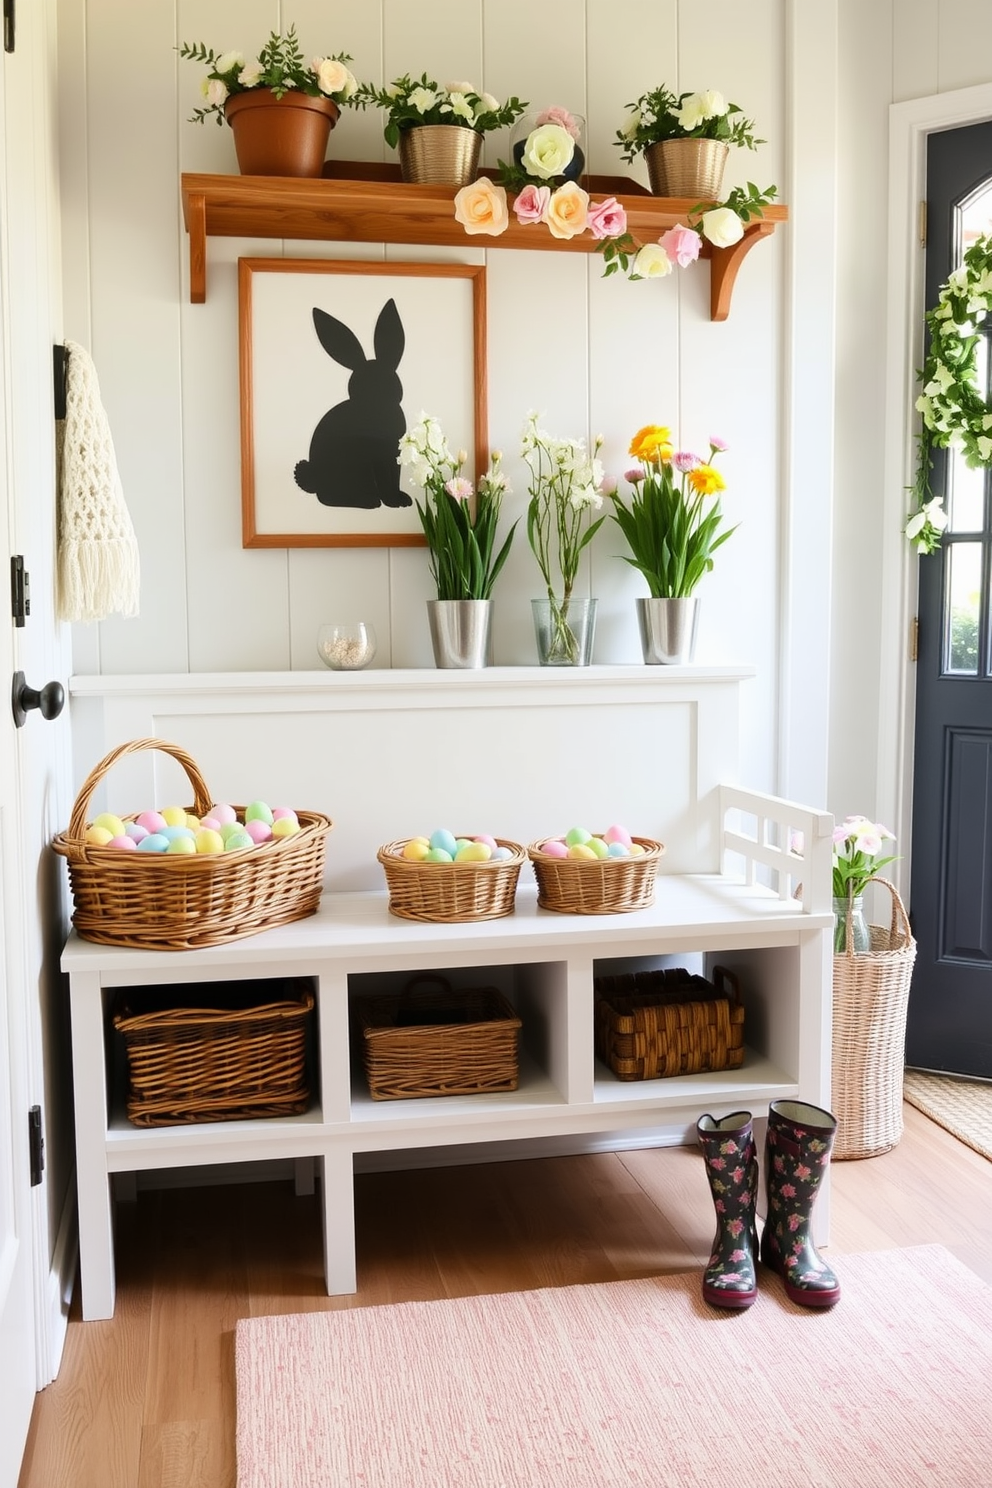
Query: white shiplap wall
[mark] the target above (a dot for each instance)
(595, 355)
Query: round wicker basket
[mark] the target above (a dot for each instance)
(603, 886)
(159, 902)
(450, 892)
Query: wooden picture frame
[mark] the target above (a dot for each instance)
(338, 357)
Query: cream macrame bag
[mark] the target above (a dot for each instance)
(98, 568)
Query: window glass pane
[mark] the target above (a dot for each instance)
(976, 216)
(967, 503)
(964, 577)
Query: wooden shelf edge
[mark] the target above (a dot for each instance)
(386, 210)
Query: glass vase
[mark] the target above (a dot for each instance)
(860, 934)
(564, 629)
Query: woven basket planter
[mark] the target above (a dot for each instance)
(451, 892)
(603, 886)
(870, 1002)
(651, 1025)
(170, 903)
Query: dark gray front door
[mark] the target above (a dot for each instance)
(950, 1005)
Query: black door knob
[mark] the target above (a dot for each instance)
(49, 700)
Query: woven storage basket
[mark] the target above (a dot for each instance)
(239, 1054)
(451, 891)
(603, 886)
(162, 902)
(432, 1040)
(870, 1001)
(654, 1024)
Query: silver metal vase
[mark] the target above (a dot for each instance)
(668, 630)
(461, 632)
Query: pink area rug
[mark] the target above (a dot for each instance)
(631, 1383)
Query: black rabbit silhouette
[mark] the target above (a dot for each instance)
(354, 448)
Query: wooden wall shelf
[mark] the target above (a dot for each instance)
(376, 207)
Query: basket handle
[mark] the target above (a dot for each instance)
(426, 976)
(727, 984)
(202, 800)
(899, 920)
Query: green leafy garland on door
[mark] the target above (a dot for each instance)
(953, 410)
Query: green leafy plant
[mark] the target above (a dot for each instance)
(459, 520)
(280, 65)
(408, 102)
(566, 486)
(673, 522)
(659, 115)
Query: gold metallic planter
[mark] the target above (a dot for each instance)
(439, 154)
(687, 167)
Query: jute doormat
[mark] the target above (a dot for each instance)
(961, 1106)
(630, 1384)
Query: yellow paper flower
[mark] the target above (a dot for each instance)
(653, 442)
(705, 480)
(568, 211)
(481, 207)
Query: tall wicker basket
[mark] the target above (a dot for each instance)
(871, 998)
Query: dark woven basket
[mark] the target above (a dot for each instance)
(239, 1053)
(654, 1024)
(156, 901)
(432, 1040)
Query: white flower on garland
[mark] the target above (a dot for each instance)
(954, 413)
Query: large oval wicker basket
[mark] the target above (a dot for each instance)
(162, 902)
(603, 886)
(870, 1002)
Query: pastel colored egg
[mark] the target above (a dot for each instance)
(280, 811)
(500, 854)
(136, 830)
(416, 850)
(258, 811)
(599, 847)
(489, 841)
(461, 842)
(123, 840)
(180, 846)
(619, 850)
(170, 833)
(223, 814)
(228, 827)
(582, 851)
(617, 834)
(110, 823)
(636, 850)
(555, 848)
(210, 823)
(235, 841)
(445, 841)
(208, 841)
(153, 843)
(174, 816)
(193, 822)
(258, 831)
(438, 855)
(98, 836)
(576, 835)
(474, 852)
(152, 821)
(286, 826)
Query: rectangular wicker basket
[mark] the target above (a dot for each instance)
(239, 1052)
(159, 902)
(433, 1040)
(655, 1024)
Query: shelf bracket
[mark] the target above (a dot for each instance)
(725, 263)
(196, 223)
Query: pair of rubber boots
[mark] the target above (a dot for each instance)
(798, 1143)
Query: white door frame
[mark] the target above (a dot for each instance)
(909, 125)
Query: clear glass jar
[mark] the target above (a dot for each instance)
(347, 646)
(860, 934)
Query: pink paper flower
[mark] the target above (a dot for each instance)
(558, 115)
(681, 244)
(532, 203)
(607, 219)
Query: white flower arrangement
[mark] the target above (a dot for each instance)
(280, 65)
(954, 413)
(409, 102)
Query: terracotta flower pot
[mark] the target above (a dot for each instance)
(284, 136)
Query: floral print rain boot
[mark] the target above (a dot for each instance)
(797, 1151)
(732, 1169)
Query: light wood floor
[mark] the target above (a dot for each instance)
(146, 1400)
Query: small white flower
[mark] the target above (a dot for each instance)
(214, 91)
(454, 88)
(651, 262)
(422, 100)
(249, 75)
(229, 61)
(488, 104)
(722, 227)
(332, 76)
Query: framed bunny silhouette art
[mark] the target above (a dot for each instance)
(337, 358)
